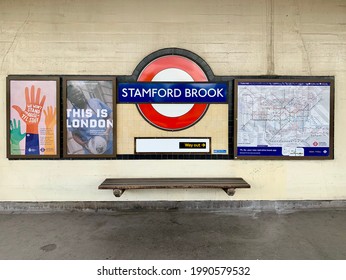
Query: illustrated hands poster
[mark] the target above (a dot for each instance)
(33, 118)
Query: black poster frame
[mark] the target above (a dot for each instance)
(30, 97)
(87, 79)
(285, 80)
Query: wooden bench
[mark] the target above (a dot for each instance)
(119, 185)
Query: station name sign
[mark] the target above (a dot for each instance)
(169, 92)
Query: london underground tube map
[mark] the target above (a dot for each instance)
(283, 119)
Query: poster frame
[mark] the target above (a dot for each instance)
(287, 80)
(33, 78)
(87, 78)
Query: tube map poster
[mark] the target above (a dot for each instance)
(284, 119)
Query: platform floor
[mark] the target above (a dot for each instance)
(176, 234)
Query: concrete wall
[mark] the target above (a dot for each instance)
(235, 37)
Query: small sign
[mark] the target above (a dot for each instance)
(219, 151)
(192, 145)
(172, 145)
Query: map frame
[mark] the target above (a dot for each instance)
(269, 152)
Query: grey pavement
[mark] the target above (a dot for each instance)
(174, 234)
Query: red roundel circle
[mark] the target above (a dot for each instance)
(172, 68)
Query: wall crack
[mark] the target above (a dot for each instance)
(16, 35)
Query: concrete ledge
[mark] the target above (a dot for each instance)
(111, 206)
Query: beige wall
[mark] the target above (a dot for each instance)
(235, 37)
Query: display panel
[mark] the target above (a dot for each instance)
(33, 117)
(284, 118)
(89, 125)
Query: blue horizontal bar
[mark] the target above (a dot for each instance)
(153, 92)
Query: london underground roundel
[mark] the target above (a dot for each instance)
(172, 68)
